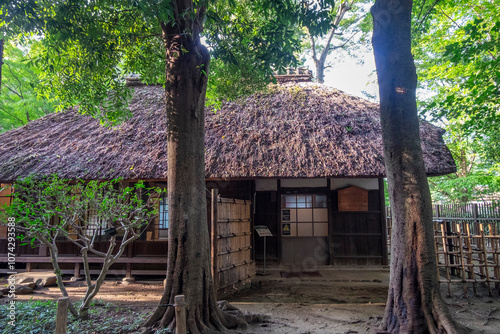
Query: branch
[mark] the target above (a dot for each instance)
(421, 10)
(18, 81)
(443, 192)
(452, 20)
(11, 115)
(333, 47)
(313, 46)
(86, 268)
(427, 14)
(344, 7)
(14, 92)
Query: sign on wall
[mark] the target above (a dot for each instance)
(285, 229)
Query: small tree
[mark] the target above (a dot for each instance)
(50, 209)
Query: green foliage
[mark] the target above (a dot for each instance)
(35, 316)
(248, 40)
(476, 178)
(87, 48)
(456, 46)
(31, 317)
(48, 207)
(477, 186)
(19, 100)
(457, 49)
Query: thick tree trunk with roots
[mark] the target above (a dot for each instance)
(188, 265)
(414, 302)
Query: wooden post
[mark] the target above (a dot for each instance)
(383, 221)
(476, 222)
(76, 273)
(42, 250)
(213, 235)
(180, 314)
(62, 315)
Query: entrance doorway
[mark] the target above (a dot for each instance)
(304, 230)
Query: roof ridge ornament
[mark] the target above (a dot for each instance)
(298, 74)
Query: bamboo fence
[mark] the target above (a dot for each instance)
(467, 244)
(232, 262)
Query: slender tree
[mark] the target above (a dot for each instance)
(414, 302)
(329, 29)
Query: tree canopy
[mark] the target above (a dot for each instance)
(86, 48)
(456, 47)
(20, 102)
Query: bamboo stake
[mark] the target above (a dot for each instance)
(464, 280)
(485, 258)
(470, 260)
(444, 234)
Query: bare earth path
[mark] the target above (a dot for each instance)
(329, 302)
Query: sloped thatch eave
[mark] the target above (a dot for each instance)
(293, 130)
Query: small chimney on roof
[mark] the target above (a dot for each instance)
(134, 80)
(300, 74)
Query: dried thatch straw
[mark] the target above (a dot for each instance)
(293, 130)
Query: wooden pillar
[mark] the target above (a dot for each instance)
(383, 222)
(42, 250)
(213, 236)
(329, 205)
(76, 273)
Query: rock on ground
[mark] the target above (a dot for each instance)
(40, 279)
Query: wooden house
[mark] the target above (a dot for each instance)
(309, 158)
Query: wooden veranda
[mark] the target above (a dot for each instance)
(231, 242)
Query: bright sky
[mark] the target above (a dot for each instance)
(354, 78)
(350, 76)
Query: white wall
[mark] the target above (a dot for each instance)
(272, 184)
(303, 183)
(368, 184)
(266, 185)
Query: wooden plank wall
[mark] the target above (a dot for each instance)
(232, 262)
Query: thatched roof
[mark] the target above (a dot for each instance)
(294, 130)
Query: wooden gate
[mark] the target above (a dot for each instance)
(231, 239)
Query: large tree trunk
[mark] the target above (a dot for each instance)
(414, 302)
(188, 264)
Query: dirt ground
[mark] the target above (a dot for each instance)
(327, 301)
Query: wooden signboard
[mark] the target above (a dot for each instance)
(263, 231)
(353, 199)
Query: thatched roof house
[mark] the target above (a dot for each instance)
(308, 157)
(299, 130)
